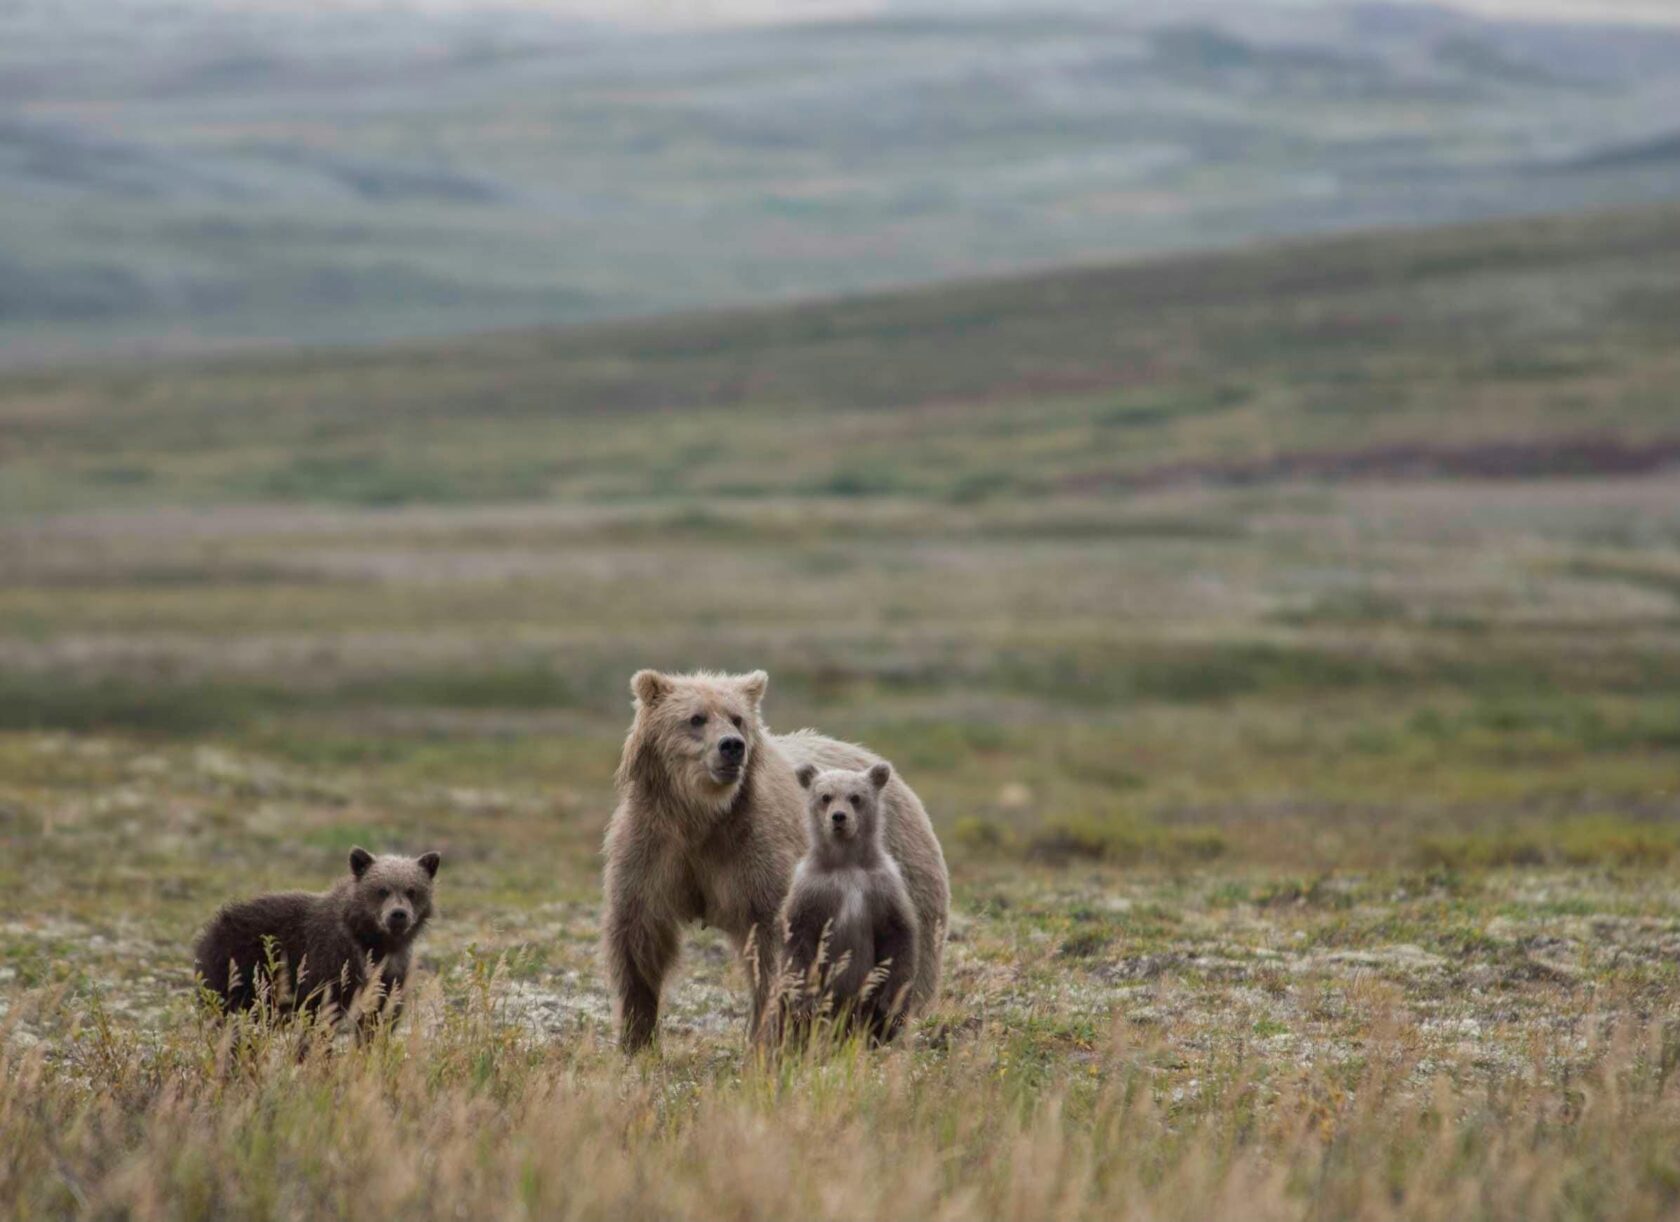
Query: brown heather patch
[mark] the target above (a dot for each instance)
(1566, 456)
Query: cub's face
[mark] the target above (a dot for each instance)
(844, 806)
(702, 728)
(392, 893)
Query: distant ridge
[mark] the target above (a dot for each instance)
(1658, 151)
(181, 178)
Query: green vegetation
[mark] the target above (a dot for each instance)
(1286, 644)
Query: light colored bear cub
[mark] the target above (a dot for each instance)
(849, 925)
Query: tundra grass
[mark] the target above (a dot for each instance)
(1292, 679)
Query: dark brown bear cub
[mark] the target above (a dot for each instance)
(850, 927)
(326, 947)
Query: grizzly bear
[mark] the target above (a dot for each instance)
(303, 951)
(709, 826)
(848, 924)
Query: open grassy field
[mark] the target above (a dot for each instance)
(1286, 644)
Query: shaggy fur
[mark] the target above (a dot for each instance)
(325, 948)
(709, 827)
(849, 926)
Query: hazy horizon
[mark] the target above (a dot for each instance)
(177, 175)
(726, 12)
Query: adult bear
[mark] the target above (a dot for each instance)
(709, 827)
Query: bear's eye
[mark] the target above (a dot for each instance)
(698, 720)
(384, 893)
(413, 895)
(825, 799)
(737, 722)
(854, 801)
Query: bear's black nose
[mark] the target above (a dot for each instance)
(732, 749)
(839, 818)
(397, 919)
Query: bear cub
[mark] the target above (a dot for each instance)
(850, 928)
(326, 947)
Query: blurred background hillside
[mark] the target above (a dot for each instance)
(182, 175)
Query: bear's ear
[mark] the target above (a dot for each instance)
(753, 686)
(429, 862)
(649, 687)
(806, 774)
(880, 774)
(360, 860)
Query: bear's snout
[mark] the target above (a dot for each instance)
(398, 920)
(732, 749)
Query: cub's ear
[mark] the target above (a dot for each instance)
(880, 774)
(429, 862)
(649, 687)
(360, 860)
(754, 685)
(806, 774)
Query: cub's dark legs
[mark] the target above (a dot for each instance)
(895, 947)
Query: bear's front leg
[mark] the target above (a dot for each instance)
(639, 950)
(762, 958)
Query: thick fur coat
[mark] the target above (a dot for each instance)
(849, 925)
(710, 825)
(319, 951)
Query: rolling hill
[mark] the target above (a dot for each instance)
(193, 176)
(1512, 348)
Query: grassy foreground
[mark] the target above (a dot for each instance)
(1287, 646)
(471, 1119)
(1423, 1046)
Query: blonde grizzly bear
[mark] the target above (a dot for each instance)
(710, 824)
